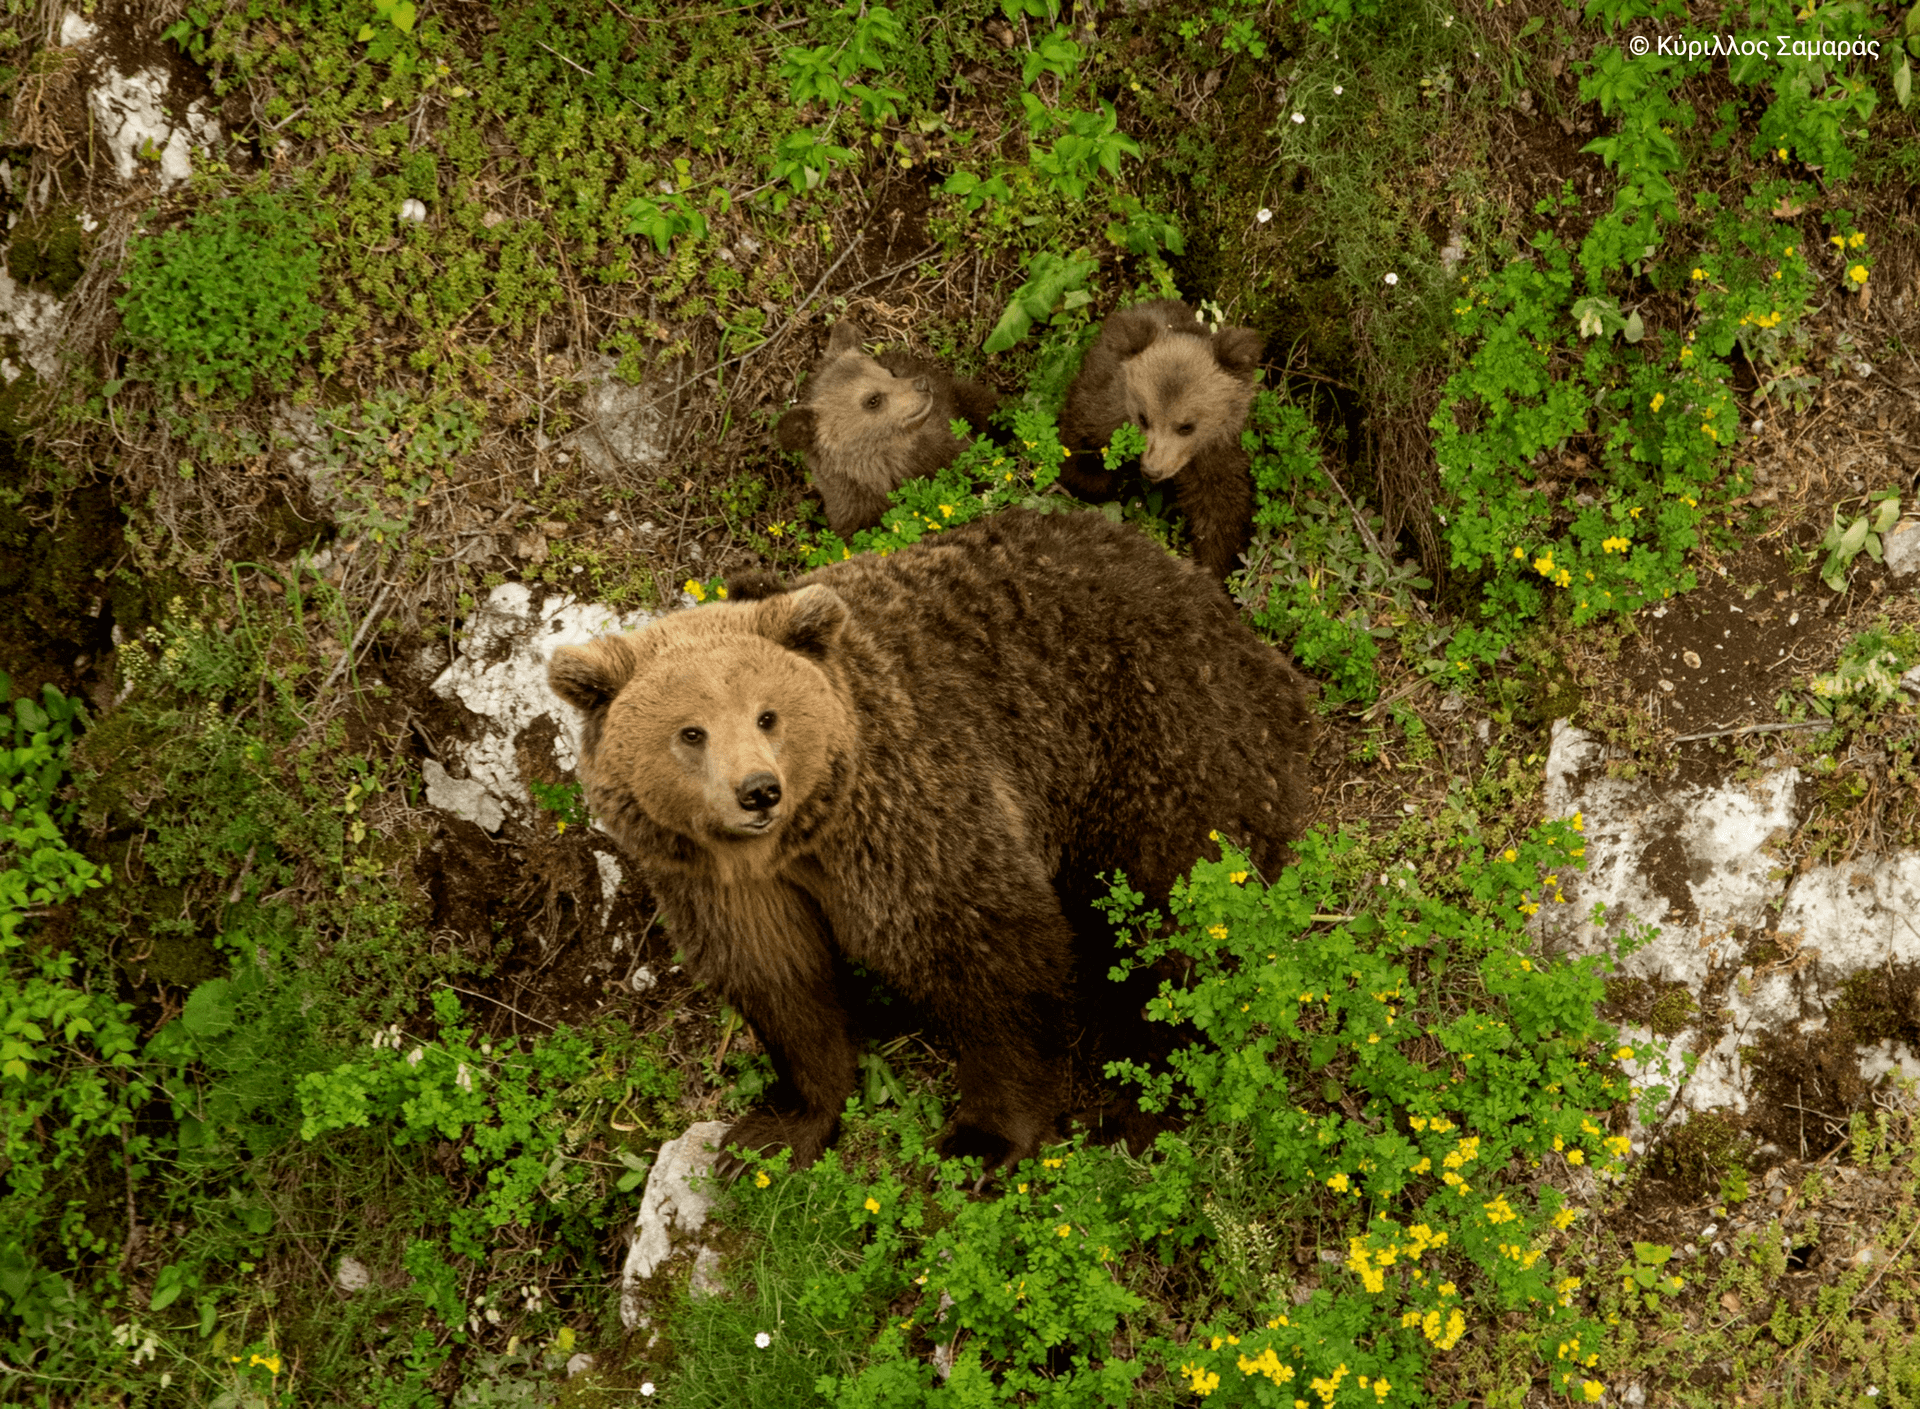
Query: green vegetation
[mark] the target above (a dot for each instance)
(230, 297)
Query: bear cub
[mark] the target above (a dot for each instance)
(922, 765)
(868, 425)
(1188, 389)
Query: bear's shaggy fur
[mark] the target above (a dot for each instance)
(868, 425)
(1189, 389)
(921, 764)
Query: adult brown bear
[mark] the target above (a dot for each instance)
(1188, 389)
(868, 425)
(922, 764)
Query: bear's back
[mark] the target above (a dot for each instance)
(1116, 684)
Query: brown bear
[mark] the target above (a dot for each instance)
(868, 425)
(1189, 389)
(922, 764)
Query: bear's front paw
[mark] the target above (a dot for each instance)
(762, 1131)
(997, 1150)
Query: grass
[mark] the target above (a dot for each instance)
(614, 195)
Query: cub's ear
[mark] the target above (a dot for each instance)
(845, 337)
(588, 677)
(1131, 330)
(808, 621)
(754, 585)
(795, 431)
(1238, 350)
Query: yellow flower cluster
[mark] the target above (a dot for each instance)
(1201, 1380)
(1499, 1211)
(1330, 1386)
(1217, 931)
(1266, 1363)
(1525, 1256)
(1444, 1331)
(1616, 544)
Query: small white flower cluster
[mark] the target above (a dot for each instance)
(763, 1340)
(530, 1297)
(388, 1036)
(144, 1344)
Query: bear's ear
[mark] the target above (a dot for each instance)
(1238, 350)
(845, 337)
(588, 677)
(1132, 330)
(796, 430)
(754, 585)
(808, 621)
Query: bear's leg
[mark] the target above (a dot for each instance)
(787, 987)
(1215, 492)
(1086, 476)
(1007, 1026)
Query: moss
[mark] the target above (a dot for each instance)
(1672, 1011)
(49, 253)
(1701, 1154)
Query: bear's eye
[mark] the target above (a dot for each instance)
(692, 736)
(873, 401)
(769, 719)
(1143, 420)
(1187, 429)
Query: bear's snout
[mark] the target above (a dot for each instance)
(759, 792)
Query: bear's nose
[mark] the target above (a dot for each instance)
(758, 793)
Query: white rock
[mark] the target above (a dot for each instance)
(579, 1363)
(76, 30)
(671, 1205)
(463, 797)
(1692, 861)
(706, 1280)
(413, 210)
(132, 120)
(619, 426)
(351, 1275)
(35, 320)
(500, 675)
(1902, 548)
(610, 878)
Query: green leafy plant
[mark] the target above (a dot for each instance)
(564, 801)
(225, 300)
(1352, 1079)
(1846, 541)
(1869, 669)
(664, 219)
(1053, 284)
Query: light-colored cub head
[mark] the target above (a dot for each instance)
(1185, 391)
(857, 413)
(717, 725)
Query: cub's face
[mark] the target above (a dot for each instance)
(1181, 398)
(717, 724)
(857, 402)
(858, 415)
